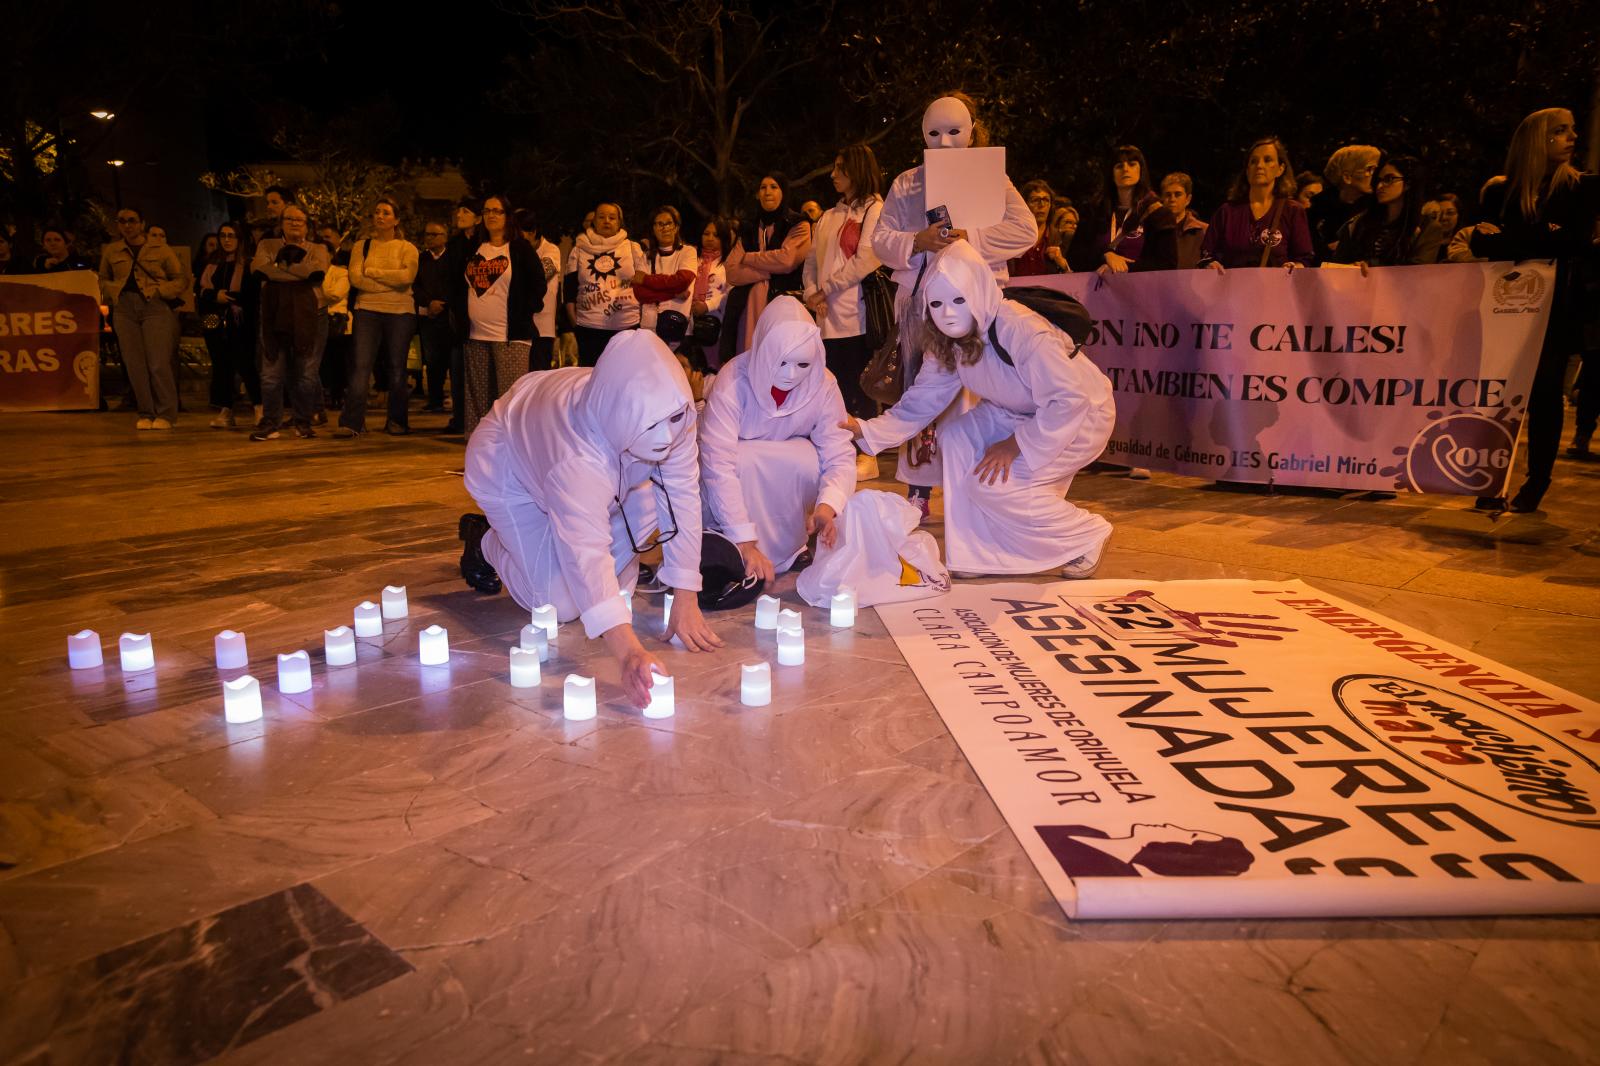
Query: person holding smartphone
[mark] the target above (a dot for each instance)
(911, 232)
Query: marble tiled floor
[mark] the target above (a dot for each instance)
(426, 866)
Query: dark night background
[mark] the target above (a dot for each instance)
(688, 102)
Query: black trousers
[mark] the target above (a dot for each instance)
(542, 354)
(591, 342)
(847, 358)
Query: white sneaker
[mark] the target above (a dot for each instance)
(144, 423)
(224, 419)
(160, 423)
(1084, 565)
(866, 467)
(1139, 473)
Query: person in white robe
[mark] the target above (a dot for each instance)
(906, 242)
(1008, 461)
(776, 460)
(575, 469)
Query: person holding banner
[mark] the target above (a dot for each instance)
(906, 242)
(776, 463)
(1545, 209)
(1262, 224)
(1045, 413)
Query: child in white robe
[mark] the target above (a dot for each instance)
(575, 469)
(776, 462)
(1009, 461)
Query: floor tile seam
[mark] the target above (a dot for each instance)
(740, 911)
(1501, 601)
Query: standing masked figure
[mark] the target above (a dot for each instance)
(906, 243)
(777, 463)
(1009, 461)
(575, 469)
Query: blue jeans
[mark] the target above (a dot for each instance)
(394, 333)
(298, 363)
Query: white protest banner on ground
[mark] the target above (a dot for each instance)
(1254, 749)
(1409, 379)
(50, 341)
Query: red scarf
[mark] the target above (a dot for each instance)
(779, 395)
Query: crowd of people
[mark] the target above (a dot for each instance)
(305, 317)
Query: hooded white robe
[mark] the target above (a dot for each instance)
(765, 466)
(905, 214)
(1054, 399)
(549, 465)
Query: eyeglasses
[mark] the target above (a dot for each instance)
(1390, 179)
(127, 220)
(494, 210)
(434, 233)
(660, 537)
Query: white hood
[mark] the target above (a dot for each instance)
(635, 383)
(785, 329)
(961, 266)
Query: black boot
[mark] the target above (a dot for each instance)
(1526, 501)
(475, 569)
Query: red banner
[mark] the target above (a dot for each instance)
(50, 341)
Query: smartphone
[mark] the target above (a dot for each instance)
(940, 216)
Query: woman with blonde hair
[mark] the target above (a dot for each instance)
(1262, 224)
(382, 268)
(1545, 209)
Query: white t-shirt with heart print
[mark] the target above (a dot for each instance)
(488, 289)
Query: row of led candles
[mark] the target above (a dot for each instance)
(242, 695)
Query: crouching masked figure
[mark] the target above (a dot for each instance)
(777, 462)
(577, 471)
(1046, 412)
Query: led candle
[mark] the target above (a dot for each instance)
(394, 601)
(83, 650)
(767, 612)
(369, 620)
(231, 652)
(525, 667)
(545, 618)
(842, 608)
(577, 704)
(755, 684)
(534, 638)
(294, 672)
(433, 646)
(137, 652)
(241, 700)
(661, 697)
(339, 646)
(788, 619)
(791, 646)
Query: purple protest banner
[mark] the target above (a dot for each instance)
(1412, 378)
(50, 341)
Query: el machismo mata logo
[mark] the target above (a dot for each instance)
(1518, 292)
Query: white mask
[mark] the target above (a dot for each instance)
(947, 124)
(789, 373)
(949, 309)
(655, 442)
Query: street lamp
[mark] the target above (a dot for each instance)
(103, 115)
(116, 166)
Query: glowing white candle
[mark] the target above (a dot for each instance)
(231, 651)
(525, 667)
(394, 601)
(661, 697)
(433, 646)
(83, 650)
(577, 703)
(767, 612)
(137, 652)
(788, 619)
(666, 609)
(241, 700)
(294, 672)
(369, 619)
(534, 638)
(339, 646)
(755, 684)
(791, 646)
(842, 608)
(545, 618)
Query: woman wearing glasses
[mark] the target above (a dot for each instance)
(777, 462)
(1390, 229)
(578, 471)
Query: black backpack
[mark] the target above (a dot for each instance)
(1060, 310)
